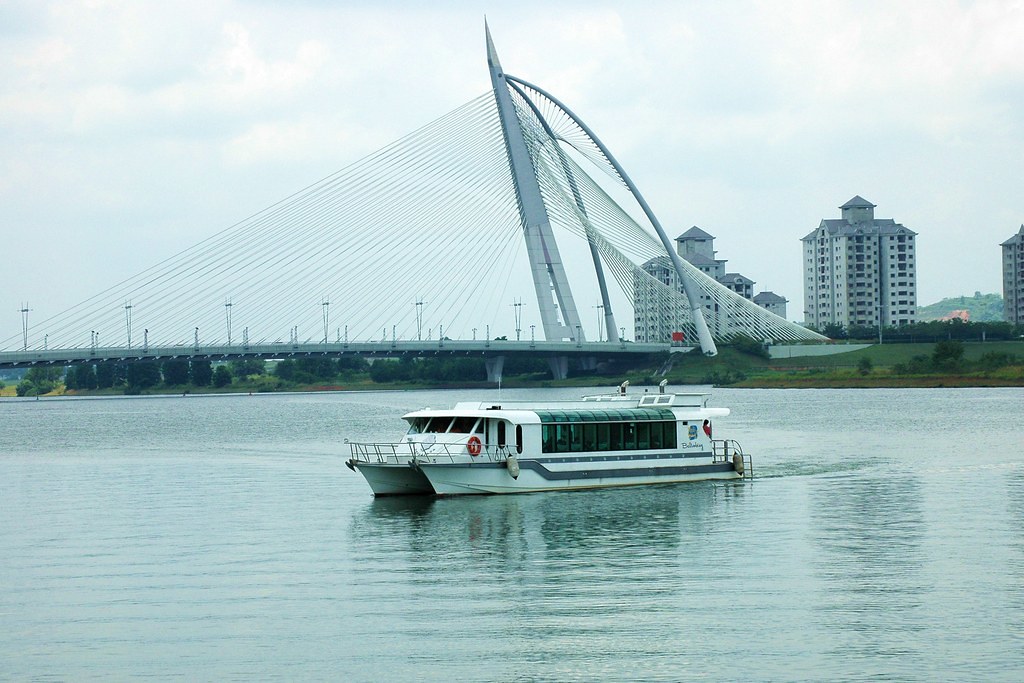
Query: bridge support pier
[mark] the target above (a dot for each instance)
(559, 366)
(494, 365)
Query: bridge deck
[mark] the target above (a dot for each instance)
(72, 356)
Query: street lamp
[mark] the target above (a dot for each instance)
(24, 310)
(227, 318)
(128, 321)
(880, 307)
(326, 308)
(518, 306)
(419, 319)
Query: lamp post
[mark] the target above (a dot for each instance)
(880, 306)
(227, 318)
(326, 305)
(24, 310)
(419, 319)
(128, 321)
(518, 306)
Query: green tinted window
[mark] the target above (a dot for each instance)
(643, 435)
(547, 434)
(657, 434)
(629, 436)
(615, 440)
(562, 438)
(575, 437)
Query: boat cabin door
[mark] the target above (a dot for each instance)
(502, 436)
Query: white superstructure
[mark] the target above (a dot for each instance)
(519, 447)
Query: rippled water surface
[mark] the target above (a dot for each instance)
(223, 538)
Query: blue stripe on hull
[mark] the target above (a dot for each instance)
(615, 473)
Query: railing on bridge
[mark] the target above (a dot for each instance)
(73, 356)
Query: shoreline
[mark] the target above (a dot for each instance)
(818, 382)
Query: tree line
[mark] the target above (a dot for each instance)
(931, 331)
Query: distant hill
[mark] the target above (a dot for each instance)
(980, 308)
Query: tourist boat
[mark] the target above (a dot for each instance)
(520, 447)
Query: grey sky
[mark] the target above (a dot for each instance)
(131, 130)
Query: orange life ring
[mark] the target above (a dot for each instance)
(473, 446)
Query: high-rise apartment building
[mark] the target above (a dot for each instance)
(860, 270)
(1013, 278)
(653, 322)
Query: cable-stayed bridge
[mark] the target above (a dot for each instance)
(429, 245)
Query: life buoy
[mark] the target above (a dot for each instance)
(473, 445)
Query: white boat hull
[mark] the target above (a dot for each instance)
(394, 480)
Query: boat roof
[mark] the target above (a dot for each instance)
(589, 408)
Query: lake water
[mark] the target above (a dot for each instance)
(222, 537)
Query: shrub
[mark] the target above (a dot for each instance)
(751, 346)
(221, 376)
(723, 377)
(948, 355)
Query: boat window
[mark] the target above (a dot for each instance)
(519, 438)
(462, 425)
(643, 436)
(438, 425)
(615, 441)
(605, 436)
(576, 437)
(629, 436)
(657, 434)
(562, 438)
(548, 438)
(501, 432)
(418, 425)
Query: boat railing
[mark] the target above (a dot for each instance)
(403, 452)
(729, 450)
(723, 449)
(397, 453)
